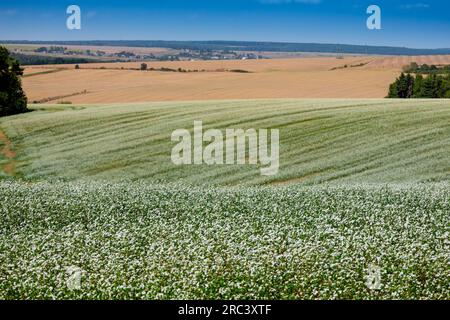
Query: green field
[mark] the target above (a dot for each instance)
(321, 141)
(363, 189)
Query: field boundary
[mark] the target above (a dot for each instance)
(10, 167)
(45, 100)
(40, 73)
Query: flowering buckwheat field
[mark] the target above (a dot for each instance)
(143, 241)
(92, 207)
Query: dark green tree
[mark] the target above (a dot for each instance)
(12, 97)
(410, 86)
(446, 87)
(393, 92)
(418, 83)
(404, 86)
(429, 89)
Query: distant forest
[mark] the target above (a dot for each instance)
(250, 46)
(26, 59)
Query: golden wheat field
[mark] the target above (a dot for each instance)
(312, 77)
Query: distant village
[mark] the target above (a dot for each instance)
(182, 55)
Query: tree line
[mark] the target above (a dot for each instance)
(27, 59)
(12, 97)
(247, 46)
(409, 86)
(426, 69)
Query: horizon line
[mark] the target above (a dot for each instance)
(17, 41)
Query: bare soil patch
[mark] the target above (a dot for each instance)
(8, 153)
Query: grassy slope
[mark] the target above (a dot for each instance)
(341, 141)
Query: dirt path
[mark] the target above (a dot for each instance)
(6, 151)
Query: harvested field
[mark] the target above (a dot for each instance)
(317, 77)
(286, 78)
(399, 62)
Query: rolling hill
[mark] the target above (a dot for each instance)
(247, 46)
(321, 141)
(93, 208)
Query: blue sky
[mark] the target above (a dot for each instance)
(410, 23)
